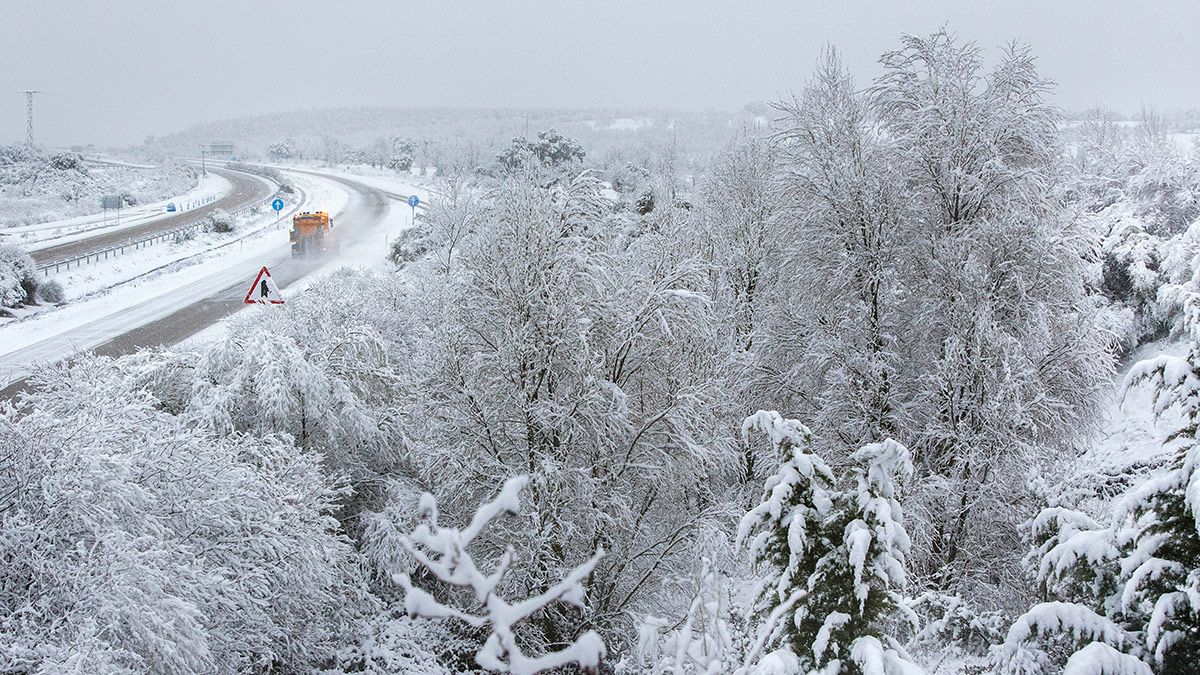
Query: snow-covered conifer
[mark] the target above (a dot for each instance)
(835, 558)
(1134, 584)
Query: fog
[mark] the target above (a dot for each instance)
(114, 73)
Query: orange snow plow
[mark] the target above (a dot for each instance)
(312, 234)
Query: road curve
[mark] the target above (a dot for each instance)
(247, 189)
(206, 306)
(366, 207)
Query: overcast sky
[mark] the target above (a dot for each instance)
(117, 71)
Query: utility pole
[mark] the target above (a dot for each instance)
(29, 111)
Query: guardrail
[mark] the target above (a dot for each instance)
(196, 203)
(144, 242)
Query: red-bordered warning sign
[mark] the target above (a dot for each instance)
(263, 290)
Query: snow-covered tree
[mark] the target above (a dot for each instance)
(18, 276)
(450, 218)
(284, 150)
(1134, 584)
(550, 345)
(835, 558)
(838, 307)
(731, 236)
(443, 552)
(739, 204)
(702, 643)
(550, 150)
(134, 541)
(1005, 358)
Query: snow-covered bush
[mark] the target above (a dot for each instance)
(219, 222)
(52, 292)
(442, 552)
(408, 246)
(835, 558)
(325, 382)
(701, 643)
(133, 541)
(948, 623)
(18, 276)
(1090, 638)
(398, 645)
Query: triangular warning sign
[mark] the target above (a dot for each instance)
(263, 290)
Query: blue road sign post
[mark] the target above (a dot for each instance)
(277, 204)
(413, 202)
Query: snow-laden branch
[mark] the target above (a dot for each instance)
(443, 551)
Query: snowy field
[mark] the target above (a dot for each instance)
(210, 188)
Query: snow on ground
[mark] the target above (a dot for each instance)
(104, 159)
(1129, 443)
(420, 183)
(388, 181)
(41, 235)
(1131, 432)
(630, 124)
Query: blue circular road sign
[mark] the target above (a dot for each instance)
(413, 201)
(277, 204)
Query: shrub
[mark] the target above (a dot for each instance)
(52, 292)
(410, 245)
(29, 286)
(18, 276)
(645, 203)
(218, 221)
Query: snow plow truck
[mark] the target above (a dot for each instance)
(312, 234)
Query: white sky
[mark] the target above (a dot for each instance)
(117, 71)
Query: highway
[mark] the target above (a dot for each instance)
(181, 313)
(247, 189)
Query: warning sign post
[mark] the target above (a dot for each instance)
(263, 291)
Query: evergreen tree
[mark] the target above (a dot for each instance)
(835, 557)
(1133, 586)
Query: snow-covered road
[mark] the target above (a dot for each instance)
(175, 303)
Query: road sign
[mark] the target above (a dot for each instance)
(277, 205)
(111, 201)
(263, 290)
(413, 201)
